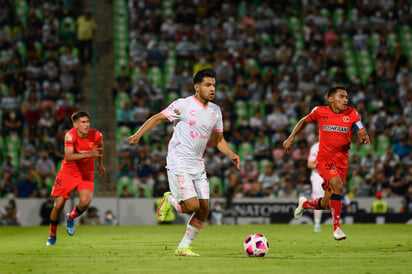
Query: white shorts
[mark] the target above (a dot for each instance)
(185, 186)
(317, 190)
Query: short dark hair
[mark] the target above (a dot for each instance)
(79, 114)
(198, 77)
(333, 90)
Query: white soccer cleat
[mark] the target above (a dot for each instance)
(299, 210)
(338, 234)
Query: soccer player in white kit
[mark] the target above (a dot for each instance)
(316, 180)
(195, 120)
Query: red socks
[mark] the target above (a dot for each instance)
(335, 204)
(53, 228)
(75, 213)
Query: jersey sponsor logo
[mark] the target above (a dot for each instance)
(335, 129)
(68, 137)
(192, 123)
(346, 119)
(192, 112)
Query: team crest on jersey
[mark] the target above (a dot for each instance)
(213, 116)
(346, 119)
(176, 111)
(68, 137)
(92, 144)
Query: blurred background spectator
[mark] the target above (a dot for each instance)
(9, 214)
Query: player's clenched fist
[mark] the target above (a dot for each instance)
(133, 140)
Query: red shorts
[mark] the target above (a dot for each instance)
(327, 170)
(64, 185)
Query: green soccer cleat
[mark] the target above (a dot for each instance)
(187, 251)
(164, 207)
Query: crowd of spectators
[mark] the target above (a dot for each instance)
(274, 62)
(38, 92)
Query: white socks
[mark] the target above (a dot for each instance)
(317, 214)
(191, 233)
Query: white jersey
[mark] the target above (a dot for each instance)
(193, 125)
(315, 178)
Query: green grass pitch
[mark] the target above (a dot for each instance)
(150, 249)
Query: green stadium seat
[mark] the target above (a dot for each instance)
(253, 106)
(124, 181)
(262, 164)
(155, 75)
(171, 96)
(122, 131)
(391, 41)
(245, 149)
(325, 13)
(241, 109)
(337, 16)
(233, 147)
(353, 14)
(120, 99)
(21, 49)
(294, 23)
(49, 183)
(148, 191)
(383, 142)
(215, 181)
(374, 42)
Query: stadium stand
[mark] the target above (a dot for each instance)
(270, 55)
(307, 46)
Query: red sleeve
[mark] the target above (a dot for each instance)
(69, 139)
(313, 115)
(99, 138)
(356, 116)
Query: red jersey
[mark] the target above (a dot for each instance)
(83, 168)
(335, 130)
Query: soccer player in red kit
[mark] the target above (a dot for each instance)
(82, 144)
(336, 123)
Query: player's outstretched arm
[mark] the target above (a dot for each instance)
(222, 146)
(287, 144)
(363, 136)
(148, 125)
